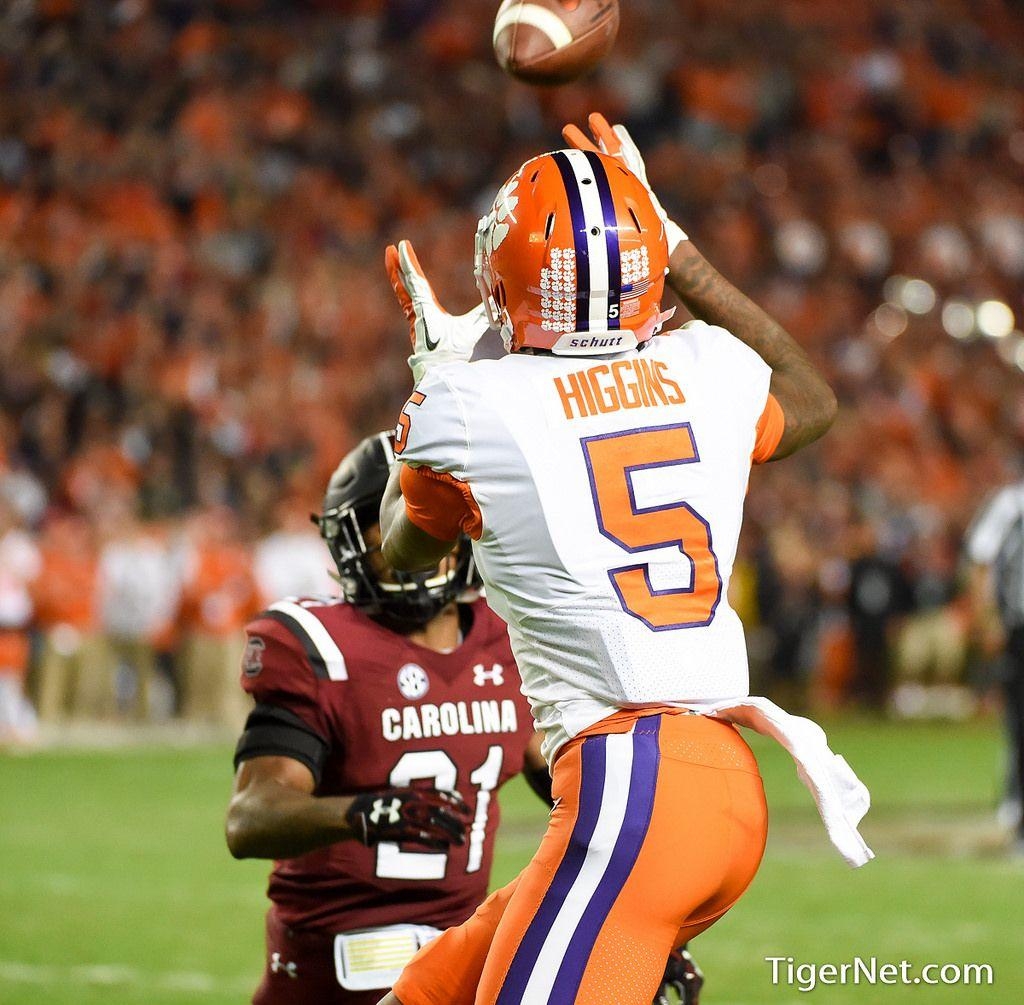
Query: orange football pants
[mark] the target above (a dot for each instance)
(659, 826)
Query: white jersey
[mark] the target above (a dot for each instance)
(611, 495)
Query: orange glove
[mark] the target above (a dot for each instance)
(615, 140)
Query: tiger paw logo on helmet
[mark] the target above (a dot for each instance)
(493, 226)
(572, 257)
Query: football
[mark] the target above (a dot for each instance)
(553, 41)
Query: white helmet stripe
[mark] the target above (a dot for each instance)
(597, 246)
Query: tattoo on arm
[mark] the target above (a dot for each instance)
(806, 399)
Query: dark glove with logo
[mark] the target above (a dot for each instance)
(683, 976)
(421, 816)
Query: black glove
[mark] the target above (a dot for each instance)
(422, 816)
(683, 976)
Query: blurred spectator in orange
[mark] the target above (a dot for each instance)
(219, 597)
(74, 677)
(194, 197)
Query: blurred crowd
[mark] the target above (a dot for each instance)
(195, 323)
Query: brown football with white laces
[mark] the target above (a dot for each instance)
(554, 41)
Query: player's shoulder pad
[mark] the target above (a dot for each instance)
(439, 378)
(458, 379)
(709, 335)
(437, 436)
(492, 628)
(715, 343)
(303, 619)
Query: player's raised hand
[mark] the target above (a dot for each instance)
(420, 816)
(616, 141)
(437, 337)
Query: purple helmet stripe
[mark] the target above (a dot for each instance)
(611, 236)
(592, 771)
(579, 236)
(639, 809)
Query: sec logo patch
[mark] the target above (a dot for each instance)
(252, 661)
(413, 681)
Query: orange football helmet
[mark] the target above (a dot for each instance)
(572, 257)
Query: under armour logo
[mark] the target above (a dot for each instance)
(277, 965)
(393, 811)
(481, 675)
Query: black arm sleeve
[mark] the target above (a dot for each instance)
(275, 732)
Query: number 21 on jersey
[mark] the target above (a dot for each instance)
(612, 460)
(439, 768)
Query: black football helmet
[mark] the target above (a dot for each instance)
(351, 507)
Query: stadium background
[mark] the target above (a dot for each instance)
(195, 325)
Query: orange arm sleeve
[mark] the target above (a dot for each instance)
(770, 428)
(439, 504)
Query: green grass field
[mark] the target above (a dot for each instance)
(116, 886)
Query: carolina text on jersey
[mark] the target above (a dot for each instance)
(450, 718)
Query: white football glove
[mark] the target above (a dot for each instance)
(437, 337)
(617, 142)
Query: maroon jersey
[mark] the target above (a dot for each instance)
(392, 713)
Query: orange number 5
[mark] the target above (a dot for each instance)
(611, 461)
(405, 421)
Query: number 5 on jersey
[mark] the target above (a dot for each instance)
(612, 459)
(405, 420)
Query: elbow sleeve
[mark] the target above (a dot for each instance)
(275, 732)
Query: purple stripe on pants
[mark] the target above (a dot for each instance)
(592, 769)
(639, 808)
